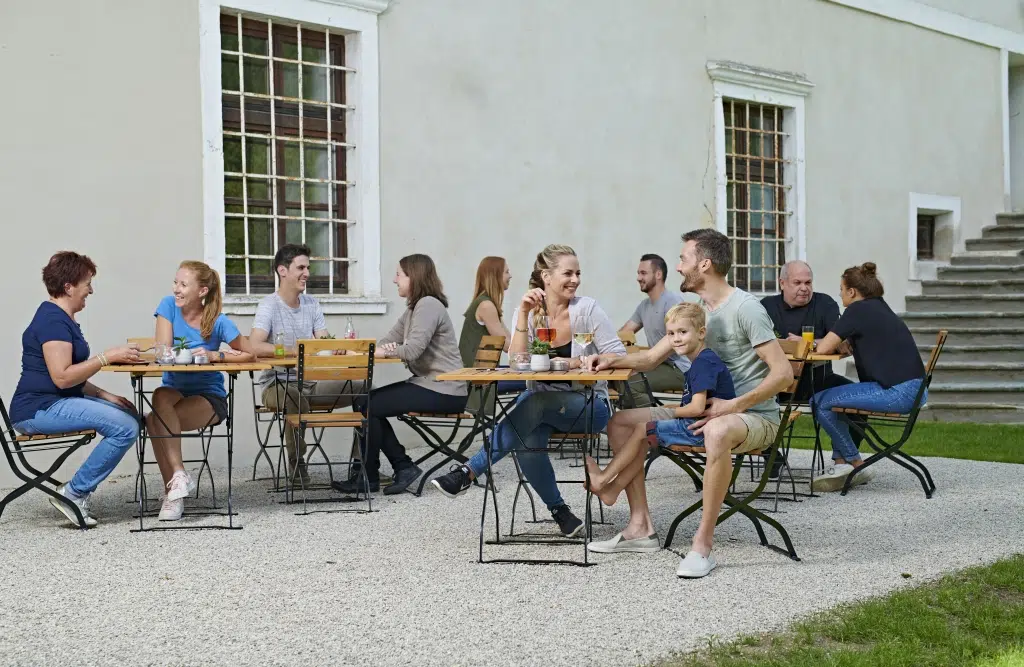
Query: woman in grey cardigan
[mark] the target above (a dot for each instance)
(547, 408)
(424, 339)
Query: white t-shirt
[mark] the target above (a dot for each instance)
(275, 316)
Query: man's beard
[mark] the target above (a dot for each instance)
(691, 283)
(646, 287)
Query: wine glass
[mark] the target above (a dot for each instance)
(583, 335)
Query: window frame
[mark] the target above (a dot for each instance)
(358, 20)
(745, 83)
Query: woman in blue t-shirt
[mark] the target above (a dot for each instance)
(54, 394)
(888, 363)
(190, 401)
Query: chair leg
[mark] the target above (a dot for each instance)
(751, 513)
(679, 518)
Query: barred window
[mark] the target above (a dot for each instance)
(756, 193)
(925, 236)
(285, 151)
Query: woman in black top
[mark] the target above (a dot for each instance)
(888, 365)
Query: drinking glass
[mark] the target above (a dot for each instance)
(807, 333)
(583, 334)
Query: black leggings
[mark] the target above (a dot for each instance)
(393, 400)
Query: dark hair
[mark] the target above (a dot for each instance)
(423, 278)
(65, 268)
(287, 253)
(864, 279)
(657, 262)
(714, 245)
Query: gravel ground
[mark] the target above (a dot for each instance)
(402, 586)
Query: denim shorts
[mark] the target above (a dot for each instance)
(673, 432)
(219, 405)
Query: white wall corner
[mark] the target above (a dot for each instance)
(941, 21)
(773, 87)
(947, 209)
(1004, 78)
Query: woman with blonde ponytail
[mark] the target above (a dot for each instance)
(189, 401)
(547, 408)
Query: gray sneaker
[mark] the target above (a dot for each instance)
(82, 503)
(618, 544)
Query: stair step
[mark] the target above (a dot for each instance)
(973, 318)
(986, 354)
(985, 413)
(995, 393)
(996, 372)
(1004, 230)
(944, 286)
(1009, 218)
(988, 258)
(981, 272)
(1001, 243)
(924, 335)
(942, 303)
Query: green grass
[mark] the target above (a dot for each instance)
(1000, 443)
(973, 618)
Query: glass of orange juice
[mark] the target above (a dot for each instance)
(807, 333)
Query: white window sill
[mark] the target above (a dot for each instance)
(238, 304)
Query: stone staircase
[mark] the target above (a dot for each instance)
(979, 299)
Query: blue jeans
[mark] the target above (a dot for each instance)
(863, 396)
(535, 417)
(675, 432)
(119, 428)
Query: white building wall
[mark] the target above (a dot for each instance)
(504, 126)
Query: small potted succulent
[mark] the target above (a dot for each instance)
(539, 359)
(326, 353)
(182, 355)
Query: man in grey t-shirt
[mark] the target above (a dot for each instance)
(298, 316)
(649, 316)
(741, 333)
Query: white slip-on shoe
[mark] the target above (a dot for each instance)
(618, 544)
(171, 510)
(695, 566)
(833, 479)
(82, 503)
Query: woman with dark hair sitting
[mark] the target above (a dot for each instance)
(54, 394)
(888, 365)
(424, 338)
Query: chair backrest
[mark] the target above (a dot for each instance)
(940, 342)
(628, 338)
(799, 351)
(488, 354)
(357, 365)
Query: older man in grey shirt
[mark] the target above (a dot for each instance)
(649, 316)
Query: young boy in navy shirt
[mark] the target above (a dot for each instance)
(707, 378)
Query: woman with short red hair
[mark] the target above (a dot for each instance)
(54, 394)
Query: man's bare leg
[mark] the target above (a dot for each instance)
(721, 435)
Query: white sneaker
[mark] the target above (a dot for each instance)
(82, 503)
(171, 510)
(180, 486)
(833, 479)
(864, 476)
(619, 544)
(695, 566)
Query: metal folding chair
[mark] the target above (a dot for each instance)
(16, 447)
(692, 461)
(868, 427)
